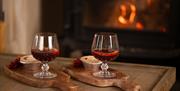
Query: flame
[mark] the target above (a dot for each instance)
(133, 13)
(123, 14)
(124, 10)
(122, 20)
(129, 19)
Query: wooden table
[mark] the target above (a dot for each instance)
(150, 77)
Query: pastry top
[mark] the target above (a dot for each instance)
(28, 59)
(90, 60)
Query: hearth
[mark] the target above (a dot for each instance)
(146, 28)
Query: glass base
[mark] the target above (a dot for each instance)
(104, 74)
(45, 75)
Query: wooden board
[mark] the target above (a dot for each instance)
(62, 81)
(149, 77)
(121, 79)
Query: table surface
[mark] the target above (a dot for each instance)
(150, 77)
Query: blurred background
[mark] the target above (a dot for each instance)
(19, 21)
(148, 30)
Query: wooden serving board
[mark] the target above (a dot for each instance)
(149, 77)
(62, 81)
(121, 80)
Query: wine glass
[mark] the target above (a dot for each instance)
(45, 48)
(105, 47)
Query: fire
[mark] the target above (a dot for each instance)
(124, 10)
(123, 15)
(133, 13)
(128, 15)
(122, 20)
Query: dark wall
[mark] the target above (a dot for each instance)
(1, 12)
(52, 16)
(175, 19)
(0, 5)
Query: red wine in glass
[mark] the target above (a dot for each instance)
(47, 55)
(105, 54)
(105, 47)
(45, 48)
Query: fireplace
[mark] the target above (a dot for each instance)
(146, 28)
(134, 15)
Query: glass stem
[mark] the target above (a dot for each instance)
(104, 67)
(45, 68)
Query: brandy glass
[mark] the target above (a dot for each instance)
(105, 47)
(45, 48)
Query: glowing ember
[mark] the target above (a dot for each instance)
(163, 29)
(139, 26)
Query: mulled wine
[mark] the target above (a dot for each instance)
(105, 47)
(45, 48)
(105, 54)
(45, 55)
